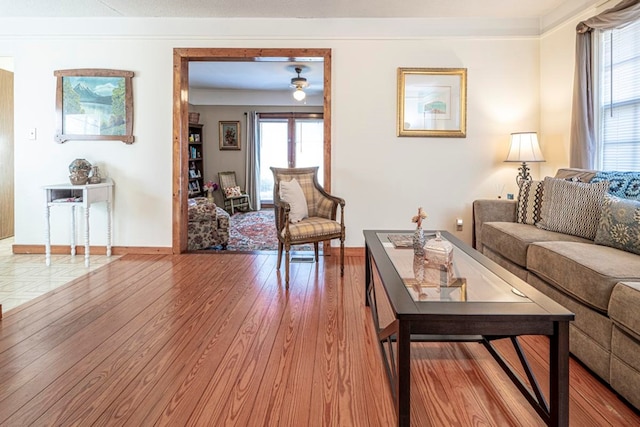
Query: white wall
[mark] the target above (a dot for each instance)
(383, 178)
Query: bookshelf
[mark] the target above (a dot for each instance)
(196, 164)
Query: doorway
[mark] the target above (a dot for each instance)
(7, 191)
(181, 59)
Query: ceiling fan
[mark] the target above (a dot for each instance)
(299, 83)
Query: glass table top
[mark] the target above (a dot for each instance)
(464, 279)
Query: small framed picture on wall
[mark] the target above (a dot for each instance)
(229, 135)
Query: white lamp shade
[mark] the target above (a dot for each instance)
(299, 94)
(524, 148)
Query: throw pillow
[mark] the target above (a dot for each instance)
(291, 192)
(572, 207)
(529, 202)
(620, 224)
(621, 184)
(232, 191)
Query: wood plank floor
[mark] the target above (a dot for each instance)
(216, 340)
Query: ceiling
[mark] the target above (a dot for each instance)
(286, 8)
(266, 75)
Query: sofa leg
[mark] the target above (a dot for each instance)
(286, 269)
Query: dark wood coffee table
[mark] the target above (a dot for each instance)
(473, 300)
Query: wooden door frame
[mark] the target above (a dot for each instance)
(181, 59)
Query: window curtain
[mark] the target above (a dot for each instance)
(252, 171)
(583, 148)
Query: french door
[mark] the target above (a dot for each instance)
(289, 140)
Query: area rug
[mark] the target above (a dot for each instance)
(256, 231)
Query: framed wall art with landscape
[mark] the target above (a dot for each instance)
(432, 102)
(94, 104)
(229, 135)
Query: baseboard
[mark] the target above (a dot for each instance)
(94, 250)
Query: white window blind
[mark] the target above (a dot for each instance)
(620, 99)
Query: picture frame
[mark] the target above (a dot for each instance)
(229, 135)
(432, 102)
(94, 104)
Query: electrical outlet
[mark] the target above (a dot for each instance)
(32, 133)
(459, 224)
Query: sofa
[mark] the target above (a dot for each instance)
(208, 224)
(576, 238)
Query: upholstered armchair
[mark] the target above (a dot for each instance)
(208, 225)
(305, 213)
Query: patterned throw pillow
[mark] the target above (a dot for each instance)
(232, 191)
(529, 202)
(620, 224)
(572, 207)
(622, 184)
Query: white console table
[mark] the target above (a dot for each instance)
(70, 195)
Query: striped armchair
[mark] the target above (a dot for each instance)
(321, 223)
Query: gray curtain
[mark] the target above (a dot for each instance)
(583, 138)
(252, 177)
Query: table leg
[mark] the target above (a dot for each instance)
(47, 235)
(86, 235)
(559, 375)
(403, 386)
(108, 228)
(73, 230)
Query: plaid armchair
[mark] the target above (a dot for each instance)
(208, 225)
(320, 225)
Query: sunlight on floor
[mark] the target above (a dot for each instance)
(25, 277)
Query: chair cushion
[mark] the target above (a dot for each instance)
(620, 224)
(232, 191)
(572, 207)
(291, 192)
(313, 228)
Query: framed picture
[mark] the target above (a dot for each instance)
(229, 135)
(432, 102)
(94, 104)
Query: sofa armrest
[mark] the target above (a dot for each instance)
(491, 210)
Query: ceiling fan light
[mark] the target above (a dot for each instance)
(299, 94)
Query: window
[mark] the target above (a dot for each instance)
(619, 99)
(289, 140)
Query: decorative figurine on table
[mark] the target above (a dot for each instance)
(418, 235)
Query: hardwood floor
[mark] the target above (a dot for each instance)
(215, 339)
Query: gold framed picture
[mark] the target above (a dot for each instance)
(432, 102)
(229, 135)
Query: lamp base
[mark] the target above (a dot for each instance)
(523, 173)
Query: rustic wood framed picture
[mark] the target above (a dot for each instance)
(432, 102)
(94, 104)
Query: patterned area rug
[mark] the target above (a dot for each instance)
(256, 231)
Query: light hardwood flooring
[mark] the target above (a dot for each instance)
(217, 340)
(25, 277)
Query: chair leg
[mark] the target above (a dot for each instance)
(279, 254)
(315, 248)
(341, 257)
(286, 268)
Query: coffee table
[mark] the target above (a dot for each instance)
(474, 299)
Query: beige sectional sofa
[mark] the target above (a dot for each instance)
(599, 283)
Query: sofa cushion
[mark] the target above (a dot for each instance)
(572, 207)
(511, 239)
(291, 192)
(620, 224)
(585, 271)
(623, 307)
(529, 202)
(621, 184)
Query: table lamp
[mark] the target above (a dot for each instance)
(524, 148)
